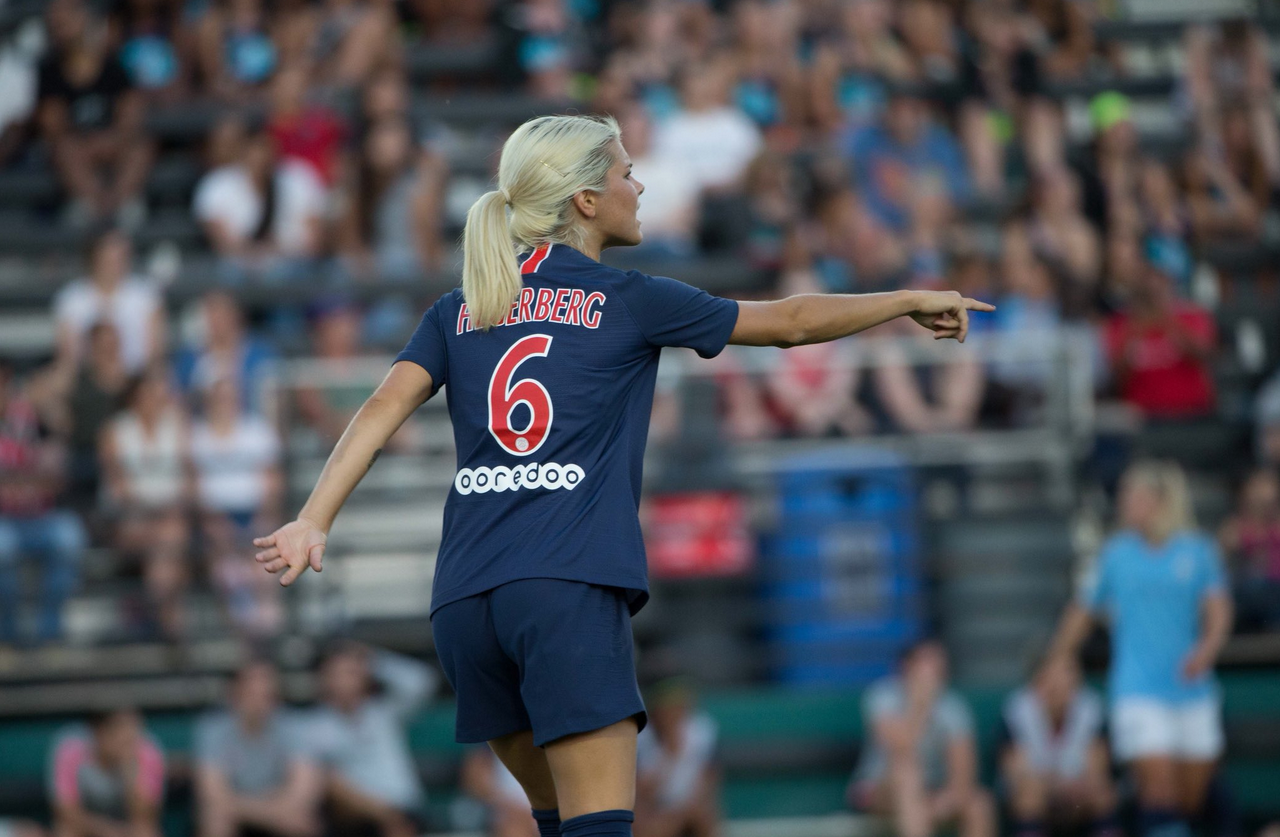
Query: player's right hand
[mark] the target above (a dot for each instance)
(946, 313)
(292, 548)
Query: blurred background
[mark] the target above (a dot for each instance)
(219, 219)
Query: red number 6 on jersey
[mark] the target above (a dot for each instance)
(503, 398)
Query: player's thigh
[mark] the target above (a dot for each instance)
(1142, 728)
(595, 770)
(529, 765)
(573, 644)
(485, 679)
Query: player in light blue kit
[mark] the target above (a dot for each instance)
(1160, 583)
(549, 359)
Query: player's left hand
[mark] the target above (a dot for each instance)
(1196, 664)
(946, 313)
(292, 548)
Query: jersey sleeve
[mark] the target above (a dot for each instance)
(427, 347)
(671, 313)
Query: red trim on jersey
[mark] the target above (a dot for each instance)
(535, 259)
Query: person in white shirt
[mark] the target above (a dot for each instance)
(264, 217)
(713, 139)
(371, 782)
(110, 293)
(1053, 756)
(669, 210)
(238, 490)
(677, 779)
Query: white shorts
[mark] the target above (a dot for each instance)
(1142, 727)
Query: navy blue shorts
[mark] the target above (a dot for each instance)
(539, 654)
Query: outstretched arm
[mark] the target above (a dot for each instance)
(1074, 628)
(818, 318)
(297, 545)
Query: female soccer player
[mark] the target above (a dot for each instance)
(550, 362)
(1161, 584)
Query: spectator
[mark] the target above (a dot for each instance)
(302, 130)
(78, 408)
(920, 765)
(1108, 169)
(91, 117)
(909, 171)
(336, 340)
(851, 64)
(154, 45)
(106, 778)
(263, 217)
(393, 226)
(1250, 538)
(1166, 222)
(1218, 204)
(1231, 92)
(487, 781)
(758, 223)
(1060, 233)
(669, 214)
(1004, 97)
(345, 41)
(715, 140)
(918, 391)
(928, 29)
(239, 491)
(1027, 315)
(32, 474)
(550, 46)
(237, 48)
(371, 783)
(1053, 756)
(146, 464)
(254, 773)
(111, 293)
(1159, 348)
(677, 779)
(851, 248)
(812, 387)
(764, 55)
(1159, 581)
(222, 350)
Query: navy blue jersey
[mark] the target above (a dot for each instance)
(550, 413)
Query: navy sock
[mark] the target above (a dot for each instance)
(548, 820)
(600, 824)
(1162, 822)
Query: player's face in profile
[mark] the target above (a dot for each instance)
(616, 206)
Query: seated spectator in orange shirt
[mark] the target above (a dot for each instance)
(1159, 348)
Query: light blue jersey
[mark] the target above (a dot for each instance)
(1153, 596)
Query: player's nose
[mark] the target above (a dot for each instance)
(639, 187)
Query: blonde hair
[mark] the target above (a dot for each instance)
(1167, 480)
(544, 164)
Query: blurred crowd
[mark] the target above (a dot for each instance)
(831, 146)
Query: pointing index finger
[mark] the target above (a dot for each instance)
(975, 305)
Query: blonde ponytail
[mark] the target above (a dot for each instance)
(545, 162)
(490, 275)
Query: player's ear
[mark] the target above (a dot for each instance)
(585, 201)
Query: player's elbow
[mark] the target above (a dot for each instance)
(792, 326)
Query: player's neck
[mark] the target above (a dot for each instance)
(592, 245)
